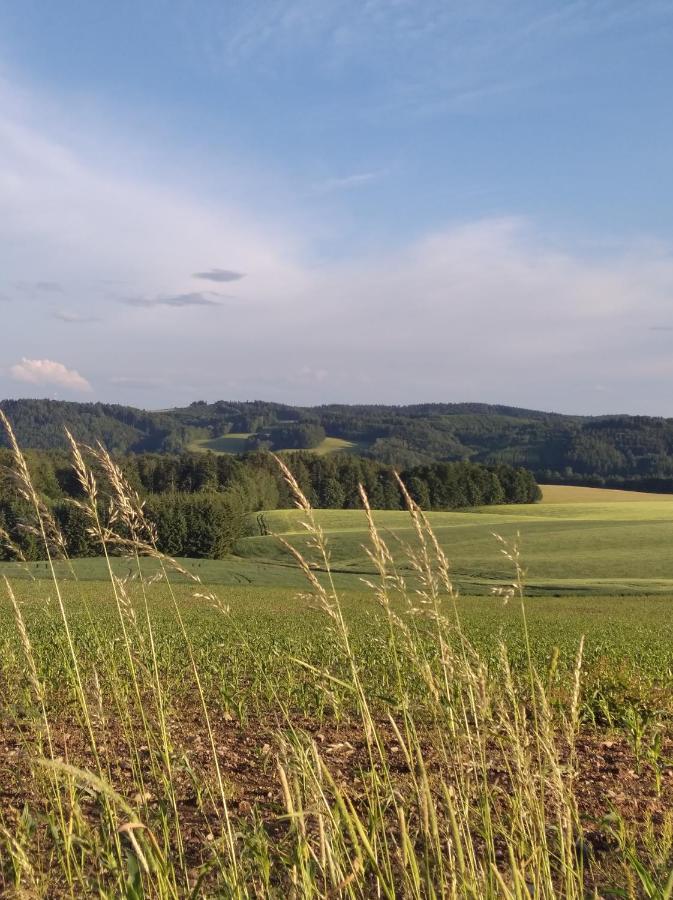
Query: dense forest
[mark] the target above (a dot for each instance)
(626, 451)
(201, 504)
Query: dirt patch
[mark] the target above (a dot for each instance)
(610, 780)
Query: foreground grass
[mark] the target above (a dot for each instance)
(171, 740)
(260, 673)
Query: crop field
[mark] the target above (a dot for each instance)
(369, 724)
(593, 547)
(577, 541)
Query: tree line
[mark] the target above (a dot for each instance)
(570, 448)
(201, 503)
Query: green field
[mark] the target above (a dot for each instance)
(596, 547)
(237, 443)
(335, 445)
(577, 541)
(598, 563)
(253, 734)
(563, 493)
(234, 442)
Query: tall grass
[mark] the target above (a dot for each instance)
(467, 788)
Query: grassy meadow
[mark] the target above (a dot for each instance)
(383, 705)
(236, 442)
(578, 541)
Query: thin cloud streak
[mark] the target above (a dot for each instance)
(45, 287)
(74, 318)
(348, 182)
(220, 275)
(177, 300)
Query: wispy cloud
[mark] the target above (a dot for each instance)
(48, 372)
(40, 287)
(221, 275)
(426, 58)
(348, 182)
(310, 374)
(74, 318)
(339, 29)
(203, 298)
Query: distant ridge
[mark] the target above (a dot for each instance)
(619, 450)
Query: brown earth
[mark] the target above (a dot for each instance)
(610, 781)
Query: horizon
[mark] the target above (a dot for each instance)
(377, 202)
(292, 405)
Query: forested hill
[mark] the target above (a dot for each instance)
(629, 450)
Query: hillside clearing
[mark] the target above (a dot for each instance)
(238, 443)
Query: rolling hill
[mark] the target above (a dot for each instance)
(616, 450)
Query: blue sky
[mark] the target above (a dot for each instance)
(318, 201)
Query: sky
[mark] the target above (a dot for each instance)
(357, 201)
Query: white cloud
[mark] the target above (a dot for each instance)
(48, 372)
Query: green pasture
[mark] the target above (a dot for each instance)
(597, 547)
(621, 545)
(335, 445)
(236, 442)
